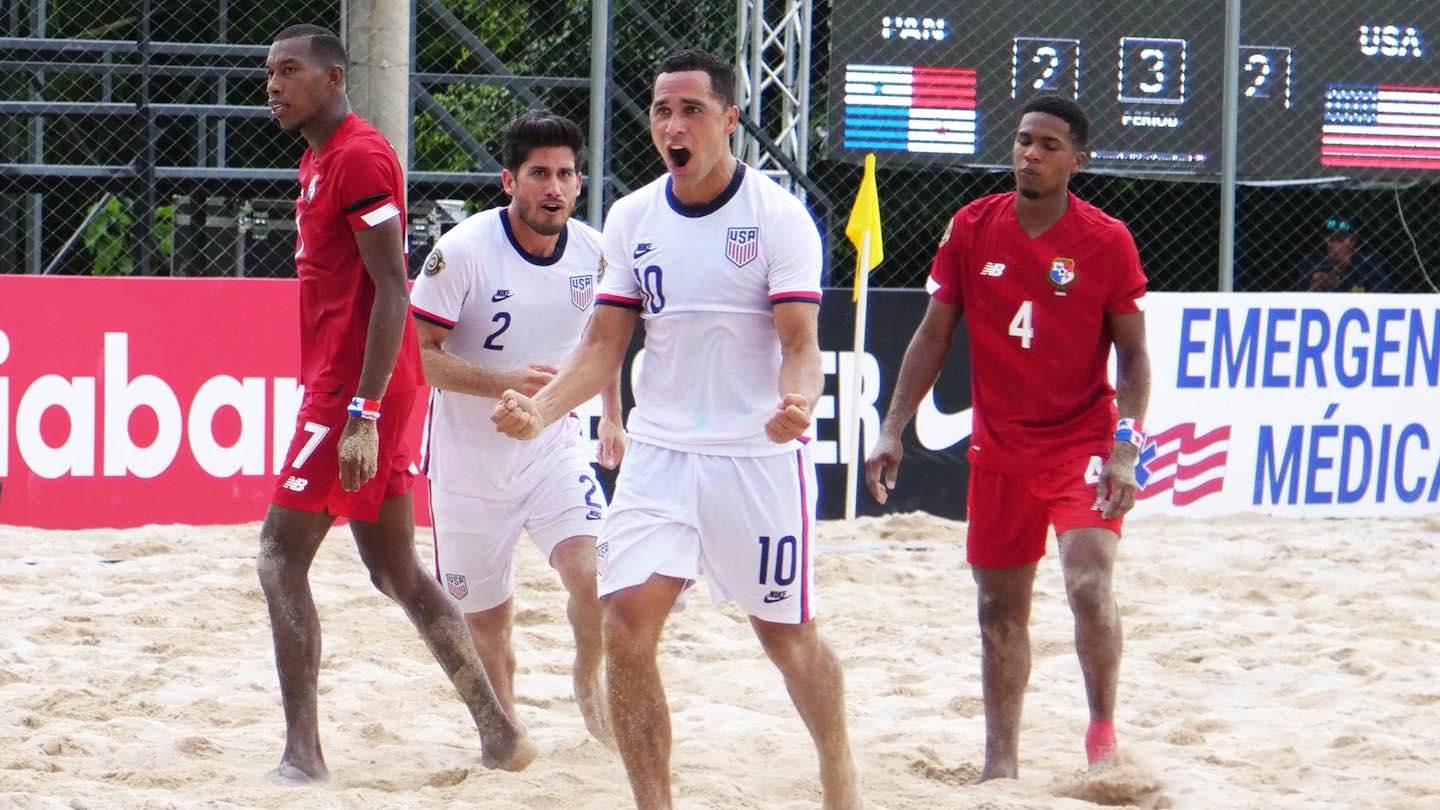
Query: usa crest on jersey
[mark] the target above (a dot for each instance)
(742, 245)
(582, 291)
(1062, 274)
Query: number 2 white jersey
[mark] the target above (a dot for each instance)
(504, 308)
(704, 280)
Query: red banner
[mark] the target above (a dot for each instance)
(132, 401)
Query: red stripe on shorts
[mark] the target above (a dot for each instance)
(434, 530)
(804, 539)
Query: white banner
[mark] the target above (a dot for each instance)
(1295, 404)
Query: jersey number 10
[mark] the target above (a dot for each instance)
(786, 559)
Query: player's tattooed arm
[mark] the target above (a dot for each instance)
(801, 378)
(451, 372)
(1115, 493)
(924, 358)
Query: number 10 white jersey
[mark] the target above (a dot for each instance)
(705, 280)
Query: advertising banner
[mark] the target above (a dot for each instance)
(1310, 405)
(132, 401)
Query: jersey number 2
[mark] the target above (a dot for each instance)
(1023, 325)
(502, 318)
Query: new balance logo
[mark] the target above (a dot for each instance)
(500, 295)
(776, 596)
(642, 248)
(295, 484)
(996, 269)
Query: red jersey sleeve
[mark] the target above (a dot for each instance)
(948, 268)
(1129, 288)
(368, 187)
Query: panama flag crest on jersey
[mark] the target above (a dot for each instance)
(582, 291)
(742, 245)
(1062, 273)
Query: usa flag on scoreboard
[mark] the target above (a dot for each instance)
(1188, 466)
(911, 109)
(1381, 126)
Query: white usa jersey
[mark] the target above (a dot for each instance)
(504, 308)
(704, 280)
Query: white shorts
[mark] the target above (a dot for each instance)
(747, 523)
(475, 537)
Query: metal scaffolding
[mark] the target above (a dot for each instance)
(772, 54)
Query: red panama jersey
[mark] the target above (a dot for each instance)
(354, 183)
(1039, 339)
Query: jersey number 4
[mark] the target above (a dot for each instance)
(1023, 324)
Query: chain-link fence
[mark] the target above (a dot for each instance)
(133, 136)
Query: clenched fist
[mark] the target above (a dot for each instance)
(517, 416)
(791, 419)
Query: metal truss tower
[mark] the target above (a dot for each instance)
(772, 57)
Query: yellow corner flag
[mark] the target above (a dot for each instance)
(865, 219)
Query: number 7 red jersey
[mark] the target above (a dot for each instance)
(354, 183)
(1039, 336)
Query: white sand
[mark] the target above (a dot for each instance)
(1269, 664)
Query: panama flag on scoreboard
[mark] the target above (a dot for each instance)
(911, 109)
(1381, 127)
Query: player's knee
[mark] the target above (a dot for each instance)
(270, 564)
(1088, 590)
(997, 608)
(625, 633)
(384, 584)
(793, 648)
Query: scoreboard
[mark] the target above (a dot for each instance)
(1359, 90)
(1328, 88)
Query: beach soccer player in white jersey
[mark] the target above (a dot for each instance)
(723, 265)
(502, 299)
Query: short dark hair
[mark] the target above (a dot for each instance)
(1066, 110)
(537, 129)
(722, 73)
(324, 45)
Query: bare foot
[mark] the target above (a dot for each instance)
(594, 709)
(842, 791)
(512, 753)
(290, 774)
(1007, 771)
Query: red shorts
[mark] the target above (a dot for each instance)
(1009, 514)
(310, 481)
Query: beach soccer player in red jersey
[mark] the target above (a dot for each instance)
(1047, 284)
(360, 364)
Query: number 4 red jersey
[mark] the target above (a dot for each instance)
(354, 183)
(1039, 337)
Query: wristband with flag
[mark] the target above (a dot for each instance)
(1128, 430)
(361, 408)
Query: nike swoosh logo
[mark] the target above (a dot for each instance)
(642, 250)
(500, 296)
(771, 599)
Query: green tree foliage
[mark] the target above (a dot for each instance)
(110, 236)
